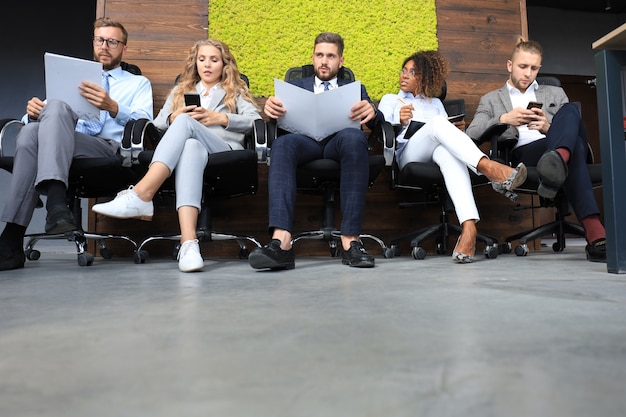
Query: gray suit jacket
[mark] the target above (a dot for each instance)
(239, 123)
(495, 103)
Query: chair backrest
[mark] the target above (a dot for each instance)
(132, 68)
(454, 106)
(548, 80)
(307, 71)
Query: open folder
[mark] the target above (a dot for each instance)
(317, 115)
(63, 76)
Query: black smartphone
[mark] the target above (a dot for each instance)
(456, 118)
(413, 127)
(192, 100)
(534, 105)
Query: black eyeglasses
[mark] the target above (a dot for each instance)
(111, 43)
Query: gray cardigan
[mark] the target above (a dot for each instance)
(239, 123)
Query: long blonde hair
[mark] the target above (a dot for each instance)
(231, 78)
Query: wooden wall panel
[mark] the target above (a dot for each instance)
(477, 38)
(160, 35)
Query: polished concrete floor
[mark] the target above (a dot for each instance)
(543, 335)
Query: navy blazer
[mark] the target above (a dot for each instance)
(308, 83)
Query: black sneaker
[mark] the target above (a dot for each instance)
(272, 256)
(11, 258)
(59, 220)
(357, 256)
(596, 250)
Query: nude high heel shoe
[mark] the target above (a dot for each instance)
(515, 179)
(462, 258)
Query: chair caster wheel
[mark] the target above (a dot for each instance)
(140, 257)
(505, 247)
(491, 252)
(521, 250)
(106, 253)
(175, 252)
(85, 259)
(396, 250)
(32, 254)
(389, 253)
(418, 253)
(557, 247)
(244, 253)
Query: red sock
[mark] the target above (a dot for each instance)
(564, 154)
(593, 228)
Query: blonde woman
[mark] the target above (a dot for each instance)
(226, 113)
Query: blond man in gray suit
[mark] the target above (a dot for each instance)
(550, 136)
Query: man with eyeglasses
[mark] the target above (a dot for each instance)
(53, 135)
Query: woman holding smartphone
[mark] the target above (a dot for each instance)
(438, 140)
(192, 133)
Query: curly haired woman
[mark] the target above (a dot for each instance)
(438, 140)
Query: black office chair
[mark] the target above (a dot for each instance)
(560, 227)
(227, 175)
(322, 177)
(426, 179)
(86, 180)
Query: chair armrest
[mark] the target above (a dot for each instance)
(9, 129)
(259, 132)
(271, 133)
(500, 146)
(385, 134)
(388, 136)
(136, 134)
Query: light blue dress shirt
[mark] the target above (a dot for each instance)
(133, 94)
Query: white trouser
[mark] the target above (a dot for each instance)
(441, 142)
(186, 147)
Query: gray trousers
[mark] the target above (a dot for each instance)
(185, 147)
(44, 151)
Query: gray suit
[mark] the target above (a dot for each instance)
(494, 104)
(187, 144)
(566, 131)
(239, 123)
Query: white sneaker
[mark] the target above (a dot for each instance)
(189, 258)
(126, 205)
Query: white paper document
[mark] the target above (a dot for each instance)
(317, 115)
(63, 76)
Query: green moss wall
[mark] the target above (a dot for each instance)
(269, 36)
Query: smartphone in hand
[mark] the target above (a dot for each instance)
(534, 105)
(192, 100)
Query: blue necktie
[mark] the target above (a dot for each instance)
(326, 85)
(93, 127)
